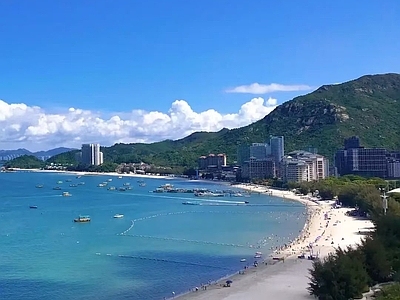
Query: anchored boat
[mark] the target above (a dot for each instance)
(82, 219)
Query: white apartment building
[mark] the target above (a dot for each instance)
(91, 154)
(301, 166)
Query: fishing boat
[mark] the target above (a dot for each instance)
(82, 219)
(118, 216)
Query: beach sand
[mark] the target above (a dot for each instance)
(326, 228)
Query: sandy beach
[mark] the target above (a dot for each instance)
(326, 228)
(282, 275)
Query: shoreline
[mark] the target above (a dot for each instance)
(282, 274)
(83, 173)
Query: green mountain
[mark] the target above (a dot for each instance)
(368, 107)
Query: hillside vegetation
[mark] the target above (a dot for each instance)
(367, 107)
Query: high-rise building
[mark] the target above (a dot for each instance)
(357, 160)
(243, 154)
(260, 151)
(277, 144)
(300, 166)
(91, 154)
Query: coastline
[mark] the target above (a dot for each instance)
(282, 275)
(95, 173)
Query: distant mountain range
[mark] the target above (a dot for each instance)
(367, 107)
(6, 155)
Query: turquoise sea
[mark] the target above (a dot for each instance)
(171, 247)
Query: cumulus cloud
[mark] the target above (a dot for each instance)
(260, 89)
(34, 128)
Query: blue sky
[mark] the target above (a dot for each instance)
(113, 56)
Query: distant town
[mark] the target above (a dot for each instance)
(262, 161)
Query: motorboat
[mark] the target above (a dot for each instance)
(82, 219)
(142, 184)
(66, 194)
(73, 185)
(118, 216)
(59, 182)
(57, 188)
(111, 188)
(33, 206)
(39, 186)
(243, 260)
(109, 180)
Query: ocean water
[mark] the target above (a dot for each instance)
(165, 246)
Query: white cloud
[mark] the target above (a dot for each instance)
(260, 89)
(35, 129)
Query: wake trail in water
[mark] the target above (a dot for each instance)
(167, 261)
(185, 240)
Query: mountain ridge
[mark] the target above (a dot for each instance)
(366, 106)
(22, 151)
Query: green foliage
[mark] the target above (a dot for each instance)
(390, 292)
(340, 276)
(66, 158)
(367, 107)
(25, 162)
(346, 274)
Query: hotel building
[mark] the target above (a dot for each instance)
(91, 154)
(368, 162)
(299, 166)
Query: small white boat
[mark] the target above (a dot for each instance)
(118, 216)
(257, 256)
(66, 194)
(243, 260)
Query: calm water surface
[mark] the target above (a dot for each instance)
(170, 247)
